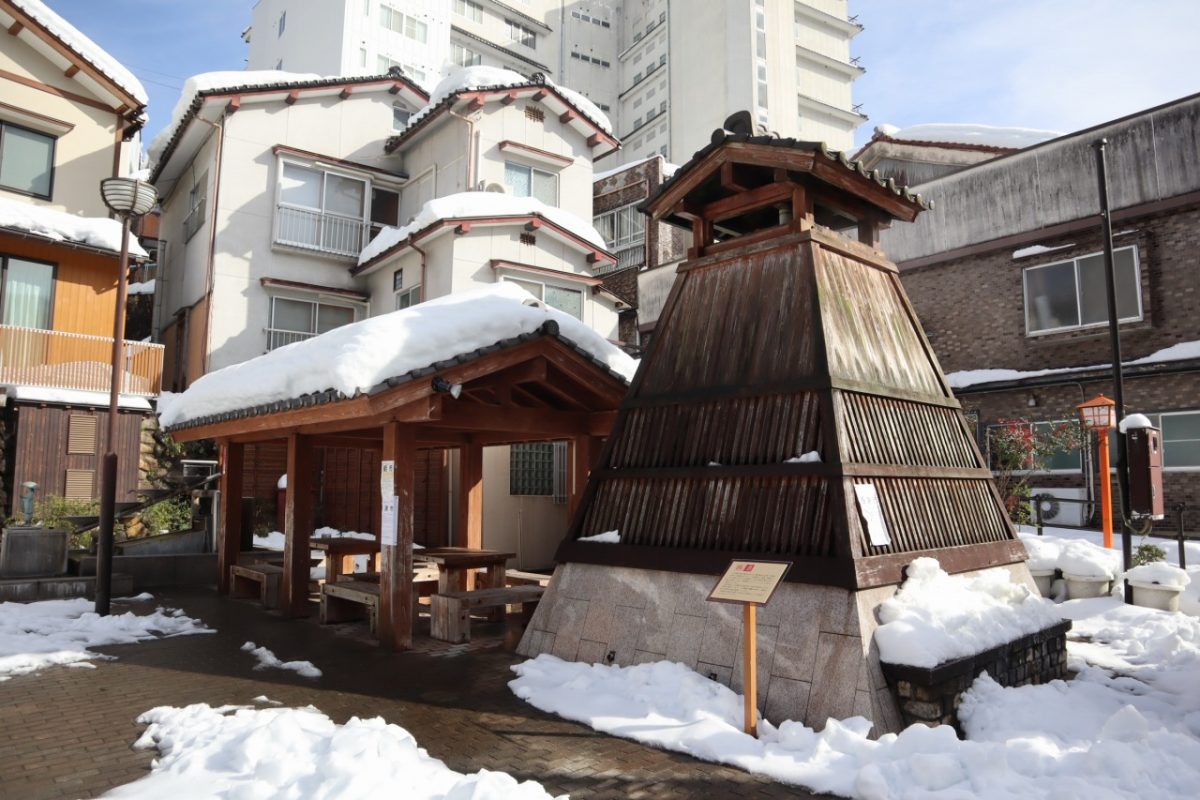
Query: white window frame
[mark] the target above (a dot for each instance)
(521, 279)
(519, 34)
(463, 56)
(634, 236)
(197, 206)
(413, 293)
(533, 169)
(1137, 274)
(1156, 420)
(468, 10)
(408, 26)
(364, 219)
(316, 300)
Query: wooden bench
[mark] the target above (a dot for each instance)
(256, 580)
(515, 577)
(450, 612)
(357, 596)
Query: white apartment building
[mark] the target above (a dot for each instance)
(666, 72)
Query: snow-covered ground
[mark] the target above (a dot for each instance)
(268, 660)
(38, 635)
(1126, 726)
(241, 753)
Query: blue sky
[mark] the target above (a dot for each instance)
(1055, 64)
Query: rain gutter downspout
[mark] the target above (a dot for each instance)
(212, 231)
(412, 243)
(472, 155)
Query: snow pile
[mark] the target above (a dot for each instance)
(668, 169)
(246, 753)
(62, 227)
(972, 377)
(1086, 560)
(142, 288)
(1043, 552)
(267, 659)
(936, 617)
(811, 457)
(353, 358)
(1135, 422)
(479, 204)
(966, 133)
(1039, 249)
(91, 52)
(465, 79)
(208, 81)
(608, 537)
(1104, 735)
(38, 635)
(1161, 573)
(282, 482)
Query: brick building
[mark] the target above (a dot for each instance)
(1006, 274)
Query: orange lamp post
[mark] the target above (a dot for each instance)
(1100, 414)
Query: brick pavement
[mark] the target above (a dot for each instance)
(67, 732)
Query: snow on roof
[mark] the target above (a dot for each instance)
(354, 358)
(98, 232)
(481, 77)
(208, 81)
(965, 133)
(668, 169)
(74, 397)
(972, 377)
(479, 204)
(88, 50)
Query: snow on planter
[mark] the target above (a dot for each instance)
(479, 204)
(1043, 552)
(99, 232)
(38, 635)
(231, 752)
(1161, 573)
(1085, 560)
(936, 617)
(353, 358)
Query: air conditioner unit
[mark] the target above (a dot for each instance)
(1056, 513)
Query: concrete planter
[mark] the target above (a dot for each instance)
(33, 553)
(1080, 587)
(1155, 595)
(1044, 578)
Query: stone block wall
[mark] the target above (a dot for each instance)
(932, 696)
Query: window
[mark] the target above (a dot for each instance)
(463, 56)
(28, 293)
(282, 23)
(395, 20)
(81, 434)
(538, 469)
(294, 320)
(400, 116)
(383, 65)
(385, 209)
(1067, 460)
(197, 197)
(624, 231)
(519, 34)
(321, 210)
(472, 11)
(569, 301)
(1070, 294)
(525, 181)
(26, 160)
(404, 297)
(1180, 438)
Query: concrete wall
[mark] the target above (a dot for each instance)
(529, 526)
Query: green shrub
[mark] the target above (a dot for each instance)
(1147, 554)
(169, 516)
(51, 511)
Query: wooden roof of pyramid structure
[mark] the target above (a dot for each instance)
(787, 333)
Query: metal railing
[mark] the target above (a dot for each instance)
(62, 360)
(326, 233)
(1177, 534)
(277, 337)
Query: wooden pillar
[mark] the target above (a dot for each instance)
(396, 570)
(229, 530)
(298, 526)
(469, 531)
(584, 450)
(868, 231)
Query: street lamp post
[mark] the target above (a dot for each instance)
(127, 198)
(1100, 415)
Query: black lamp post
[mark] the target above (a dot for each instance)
(127, 198)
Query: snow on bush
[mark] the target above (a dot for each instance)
(1161, 573)
(1043, 552)
(353, 358)
(38, 635)
(241, 753)
(59, 226)
(1082, 559)
(267, 660)
(936, 617)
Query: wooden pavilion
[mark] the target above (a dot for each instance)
(536, 386)
(789, 408)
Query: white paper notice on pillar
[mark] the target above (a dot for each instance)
(387, 536)
(872, 511)
(387, 478)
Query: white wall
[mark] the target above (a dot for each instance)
(531, 527)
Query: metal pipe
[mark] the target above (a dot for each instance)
(413, 245)
(108, 468)
(1114, 334)
(471, 154)
(1179, 509)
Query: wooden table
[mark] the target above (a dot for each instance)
(338, 549)
(455, 563)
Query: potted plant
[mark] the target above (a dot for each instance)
(1156, 584)
(1088, 570)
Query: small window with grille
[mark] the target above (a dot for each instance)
(80, 484)
(81, 435)
(531, 469)
(534, 113)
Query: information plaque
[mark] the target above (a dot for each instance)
(749, 582)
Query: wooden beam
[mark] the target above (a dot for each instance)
(600, 423)
(462, 228)
(542, 422)
(298, 527)
(727, 180)
(16, 28)
(539, 95)
(292, 97)
(567, 116)
(345, 93)
(868, 231)
(748, 201)
(508, 99)
(583, 452)
(229, 532)
(529, 372)
(234, 104)
(469, 529)
(395, 580)
(533, 225)
(475, 104)
(71, 71)
(355, 442)
(395, 87)
(594, 140)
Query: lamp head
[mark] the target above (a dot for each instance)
(128, 196)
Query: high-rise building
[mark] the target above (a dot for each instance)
(667, 72)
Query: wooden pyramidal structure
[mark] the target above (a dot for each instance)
(787, 334)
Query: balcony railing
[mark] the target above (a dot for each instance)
(325, 233)
(60, 360)
(277, 337)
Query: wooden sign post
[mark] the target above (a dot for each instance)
(750, 584)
